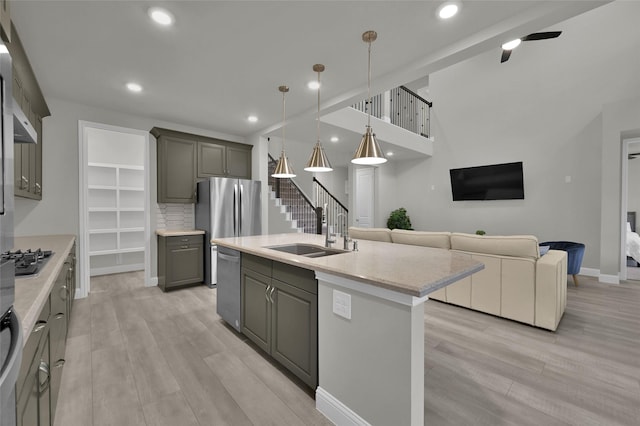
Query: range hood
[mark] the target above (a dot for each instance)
(23, 131)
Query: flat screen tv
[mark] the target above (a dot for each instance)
(494, 182)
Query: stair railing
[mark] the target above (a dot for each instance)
(302, 210)
(337, 213)
(404, 108)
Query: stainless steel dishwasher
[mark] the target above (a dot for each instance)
(228, 304)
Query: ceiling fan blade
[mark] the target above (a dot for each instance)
(542, 36)
(505, 56)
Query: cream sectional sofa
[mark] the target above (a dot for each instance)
(516, 282)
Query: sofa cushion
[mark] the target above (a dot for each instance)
(373, 234)
(511, 245)
(422, 238)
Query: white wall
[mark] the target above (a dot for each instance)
(543, 109)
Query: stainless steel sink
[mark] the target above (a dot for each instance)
(307, 250)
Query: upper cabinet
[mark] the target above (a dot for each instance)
(27, 97)
(5, 20)
(185, 158)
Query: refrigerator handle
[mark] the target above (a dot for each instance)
(240, 211)
(235, 210)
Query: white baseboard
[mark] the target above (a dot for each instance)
(116, 269)
(152, 282)
(603, 278)
(609, 279)
(336, 411)
(589, 272)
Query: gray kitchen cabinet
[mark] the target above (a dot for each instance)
(180, 261)
(32, 387)
(183, 158)
(176, 170)
(212, 160)
(28, 97)
(223, 159)
(280, 314)
(43, 355)
(5, 20)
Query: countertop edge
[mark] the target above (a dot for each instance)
(29, 317)
(178, 233)
(307, 263)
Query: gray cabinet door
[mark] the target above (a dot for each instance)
(185, 265)
(211, 160)
(294, 341)
(256, 308)
(176, 170)
(37, 165)
(239, 162)
(27, 405)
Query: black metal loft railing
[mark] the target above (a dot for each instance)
(337, 213)
(406, 109)
(302, 210)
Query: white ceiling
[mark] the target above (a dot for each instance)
(223, 60)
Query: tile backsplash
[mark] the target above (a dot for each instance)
(175, 216)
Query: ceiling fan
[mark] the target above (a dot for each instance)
(508, 47)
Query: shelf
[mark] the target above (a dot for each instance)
(115, 230)
(103, 209)
(108, 187)
(118, 251)
(116, 166)
(131, 188)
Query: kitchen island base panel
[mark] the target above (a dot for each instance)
(371, 367)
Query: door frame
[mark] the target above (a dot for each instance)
(624, 204)
(83, 213)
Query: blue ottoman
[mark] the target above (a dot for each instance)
(575, 253)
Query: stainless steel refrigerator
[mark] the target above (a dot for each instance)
(227, 208)
(10, 329)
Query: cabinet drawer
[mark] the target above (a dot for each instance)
(182, 240)
(40, 329)
(304, 279)
(257, 264)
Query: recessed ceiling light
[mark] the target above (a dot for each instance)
(134, 87)
(252, 119)
(390, 154)
(161, 16)
(334, 139)
(512, 44)
(448, 10)
(313, 85)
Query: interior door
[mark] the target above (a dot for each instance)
(365, 197)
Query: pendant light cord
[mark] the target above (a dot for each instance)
(283, 119)
(318, 120)
(369, 88)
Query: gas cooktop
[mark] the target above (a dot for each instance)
(27, 262)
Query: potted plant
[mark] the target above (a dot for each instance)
(398, 219)
(480, 232)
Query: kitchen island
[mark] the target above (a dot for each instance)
(370, 322)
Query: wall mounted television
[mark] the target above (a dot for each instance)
(493, 182)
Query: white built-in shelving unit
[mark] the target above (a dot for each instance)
(116, 208)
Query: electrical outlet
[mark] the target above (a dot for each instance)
(342, 304)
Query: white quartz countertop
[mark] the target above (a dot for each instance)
(413, 270)
(178, 232)
(33, 291)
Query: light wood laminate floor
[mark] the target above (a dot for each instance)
(138, 356)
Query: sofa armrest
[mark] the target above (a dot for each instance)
(551, 289)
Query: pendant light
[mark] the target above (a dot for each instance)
(369, 151)
(318, 161)
(283, 168)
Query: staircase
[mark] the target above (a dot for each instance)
(293, 203)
